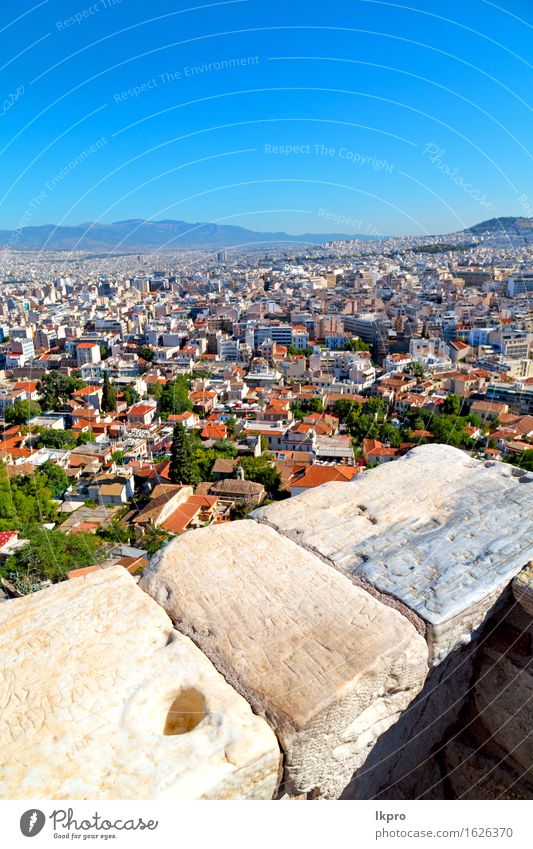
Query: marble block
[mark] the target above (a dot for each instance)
(103, 699)
(329, 666)
(437, 530)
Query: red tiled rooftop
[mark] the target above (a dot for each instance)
(317, 475)
(178, 521)
(85, 570)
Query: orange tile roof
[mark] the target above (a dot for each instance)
(317, 475)
(20, 452)
(28, 385)
(178, 521)
(214, 431)
(181, 417)
(131, 564)
(87, 390)
(85, 570)
(202, 396)
(85, 527)
(141, 409)
(203, 500)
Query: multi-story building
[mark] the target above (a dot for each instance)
(520, 284)
(280, 333)
(88, 352)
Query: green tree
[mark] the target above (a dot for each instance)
(49, 555)
(240, 509)
(314, 405)
(303, 406)
(56, 478)
(261, 470)
(293, 351)
(183, 468)
(356, 345)
(24, 499)
(153, 539)
(155, 390)
(104, 353)
(452, 405)
(56, 388)
(450, 430)
(364, 427)
(297, 411)
(32, 499)
(175, 397)
(85, 437)
(231, 425)
(8, 511)
(109, 400)
(115, 532)
(524, 461)
(351, 421)
(376, 406)
(118, 457)
(61, 439)
(225, 448)
(474, 420)
(416, 369)
(391, 435)
(204, 459)
(21, 411)
(146, 353)
(131, 396)
(344, 408)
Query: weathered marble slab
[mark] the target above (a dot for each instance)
(439, 531)
(327, 664)
(102, 699)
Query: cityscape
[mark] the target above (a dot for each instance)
(265, 519)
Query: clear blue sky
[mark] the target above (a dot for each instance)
(413, 118)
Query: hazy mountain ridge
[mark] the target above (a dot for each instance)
(140, 234)
(506, 224)
(137, 234)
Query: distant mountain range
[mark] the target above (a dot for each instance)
(138, 234)
(508, 224)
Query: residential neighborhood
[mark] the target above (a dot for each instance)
(140, 399)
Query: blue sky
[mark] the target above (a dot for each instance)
(348, 116)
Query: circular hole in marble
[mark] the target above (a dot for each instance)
(185, 713)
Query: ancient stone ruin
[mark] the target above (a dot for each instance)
(363, 640)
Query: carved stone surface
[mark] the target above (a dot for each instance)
(327, 664)
(404, 763)
(439, 531)
(102, 699)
